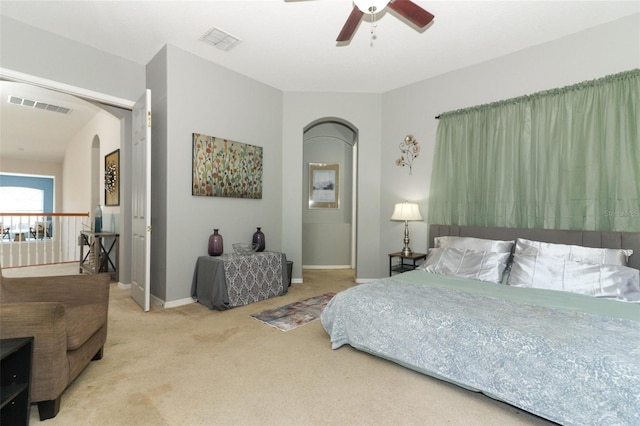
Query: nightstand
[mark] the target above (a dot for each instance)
(404, 266)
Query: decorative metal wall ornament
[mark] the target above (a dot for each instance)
(410, 150)
(112, 179)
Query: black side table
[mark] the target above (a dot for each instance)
(414, 259)
(15, 380)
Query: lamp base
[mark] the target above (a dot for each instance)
(406, 251)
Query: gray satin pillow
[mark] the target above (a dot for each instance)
(576, 253)
(556, 273)
(483, 266)
(476, 244)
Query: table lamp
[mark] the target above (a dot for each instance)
(406, 211)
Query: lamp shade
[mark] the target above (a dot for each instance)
(406, 211)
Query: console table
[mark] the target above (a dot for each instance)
(230, 280)
(97, 258)
(15, 380)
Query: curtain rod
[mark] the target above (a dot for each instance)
(622, 75)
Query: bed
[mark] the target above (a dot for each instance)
(572, 357)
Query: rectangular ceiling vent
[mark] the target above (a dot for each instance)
(220, 39)
(38, 105)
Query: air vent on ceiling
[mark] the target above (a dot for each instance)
(220, 39)
(38, 105)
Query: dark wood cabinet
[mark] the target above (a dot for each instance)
(15, 380)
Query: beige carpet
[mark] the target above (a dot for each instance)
(193, 366)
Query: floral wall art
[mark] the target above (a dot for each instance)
(225, 168)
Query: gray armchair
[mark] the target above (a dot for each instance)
(67, 316)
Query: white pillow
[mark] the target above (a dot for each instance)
(575, 253)
(462, 263)
(476, 244)
(555, 273)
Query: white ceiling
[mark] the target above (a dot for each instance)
(35, 134)
(290, 45)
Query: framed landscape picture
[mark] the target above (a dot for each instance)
(112, 179)
(324, 186)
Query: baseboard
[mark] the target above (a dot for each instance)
(179, 302)
(124, 286)
(296, 281)
(326, 267)
(156, 301)
(173, 303)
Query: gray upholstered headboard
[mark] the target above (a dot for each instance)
(604, 239)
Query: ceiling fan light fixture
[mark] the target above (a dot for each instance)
(407, 9)
(371, 6)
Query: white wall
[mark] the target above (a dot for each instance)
(77, 171)
(591, 54)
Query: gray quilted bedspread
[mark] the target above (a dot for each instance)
(569, 358)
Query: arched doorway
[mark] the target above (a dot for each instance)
(329, 229)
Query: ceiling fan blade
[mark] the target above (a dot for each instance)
(350, 26)
(414, 13)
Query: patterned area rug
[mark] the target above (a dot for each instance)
(296, 314)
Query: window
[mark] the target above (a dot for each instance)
(15, 199)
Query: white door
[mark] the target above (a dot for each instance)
(141, 201)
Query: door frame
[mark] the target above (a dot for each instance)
(103, 101)
(86, 94)
(353, 249)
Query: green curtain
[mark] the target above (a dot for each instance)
(566, 158)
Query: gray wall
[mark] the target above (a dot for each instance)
(326, 233)
(193, 95)
(157, 82)
(39, 53)
(590, 54)
(361, 112)
(203, 97)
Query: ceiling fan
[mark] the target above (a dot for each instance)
(405, 8)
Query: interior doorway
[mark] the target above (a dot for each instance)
(329, 229)
(120, 109)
